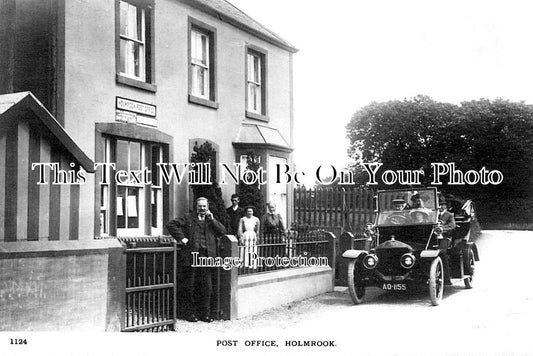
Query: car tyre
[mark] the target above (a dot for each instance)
(469, 281)
(436, 281)
(357, 292)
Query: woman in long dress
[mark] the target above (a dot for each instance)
(248, 232)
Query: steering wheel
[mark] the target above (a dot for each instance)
(397, 219)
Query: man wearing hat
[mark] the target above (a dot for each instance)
(398, 204)
(448, 224)
(447, 219)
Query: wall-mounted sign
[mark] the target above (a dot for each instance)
(136, 107)
(135, 112)
(124, 116)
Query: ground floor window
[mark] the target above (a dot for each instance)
(129, 207)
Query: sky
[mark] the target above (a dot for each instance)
(353, 52)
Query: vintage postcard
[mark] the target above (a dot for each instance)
(265, 177)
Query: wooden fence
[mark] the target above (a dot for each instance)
(349, 209)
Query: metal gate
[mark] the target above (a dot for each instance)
(151, 288)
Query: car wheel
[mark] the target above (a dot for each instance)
(436, 281)
(357, 292)
(469, 281)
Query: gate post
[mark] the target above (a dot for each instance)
(345, 243)
(175, 283)
(228, 279)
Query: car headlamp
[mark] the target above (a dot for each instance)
(370, 261)
(407, 260)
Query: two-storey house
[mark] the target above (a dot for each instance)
(134, 83)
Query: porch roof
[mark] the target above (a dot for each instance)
(26, 105)
(261, 136)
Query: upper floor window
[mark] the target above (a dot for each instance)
(132, 40)
(202, 64)
(134, 53)
(255, 83)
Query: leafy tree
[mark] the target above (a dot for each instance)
(250, 194)
(412, 134)
(205, 153)
(403, 135)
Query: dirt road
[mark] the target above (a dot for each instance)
(493, 318)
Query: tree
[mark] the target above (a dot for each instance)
(405, 134)
(412, 134)
(205, 153)
(250, 194)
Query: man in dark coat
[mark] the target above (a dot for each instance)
(447, 219)
(448, 224)
(197, 233)
(235, 213)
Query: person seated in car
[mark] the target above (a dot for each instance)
(417, 202)
(447, 222)
(398, 204)
(445, 217)
(397, 216)
(419, 216)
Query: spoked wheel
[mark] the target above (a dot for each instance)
(436, 281)
(469, 281)
(357, 292)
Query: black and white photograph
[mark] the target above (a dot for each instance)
(254, 177)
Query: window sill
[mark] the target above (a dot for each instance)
(255, 116)
(136, 83)
(204, 102)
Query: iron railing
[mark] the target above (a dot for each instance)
(271, 252)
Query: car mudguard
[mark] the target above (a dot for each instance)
(353, 253)
(472, 246)
(465, 246)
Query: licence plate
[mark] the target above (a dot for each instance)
(394, 286)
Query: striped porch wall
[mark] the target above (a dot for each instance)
(29, 211)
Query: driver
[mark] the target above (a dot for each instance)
(398, 204)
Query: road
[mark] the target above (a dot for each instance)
(493, 318)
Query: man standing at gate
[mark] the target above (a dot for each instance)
(197, 233)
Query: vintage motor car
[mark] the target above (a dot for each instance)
(408, 247)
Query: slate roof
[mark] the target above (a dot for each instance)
(234, 16)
